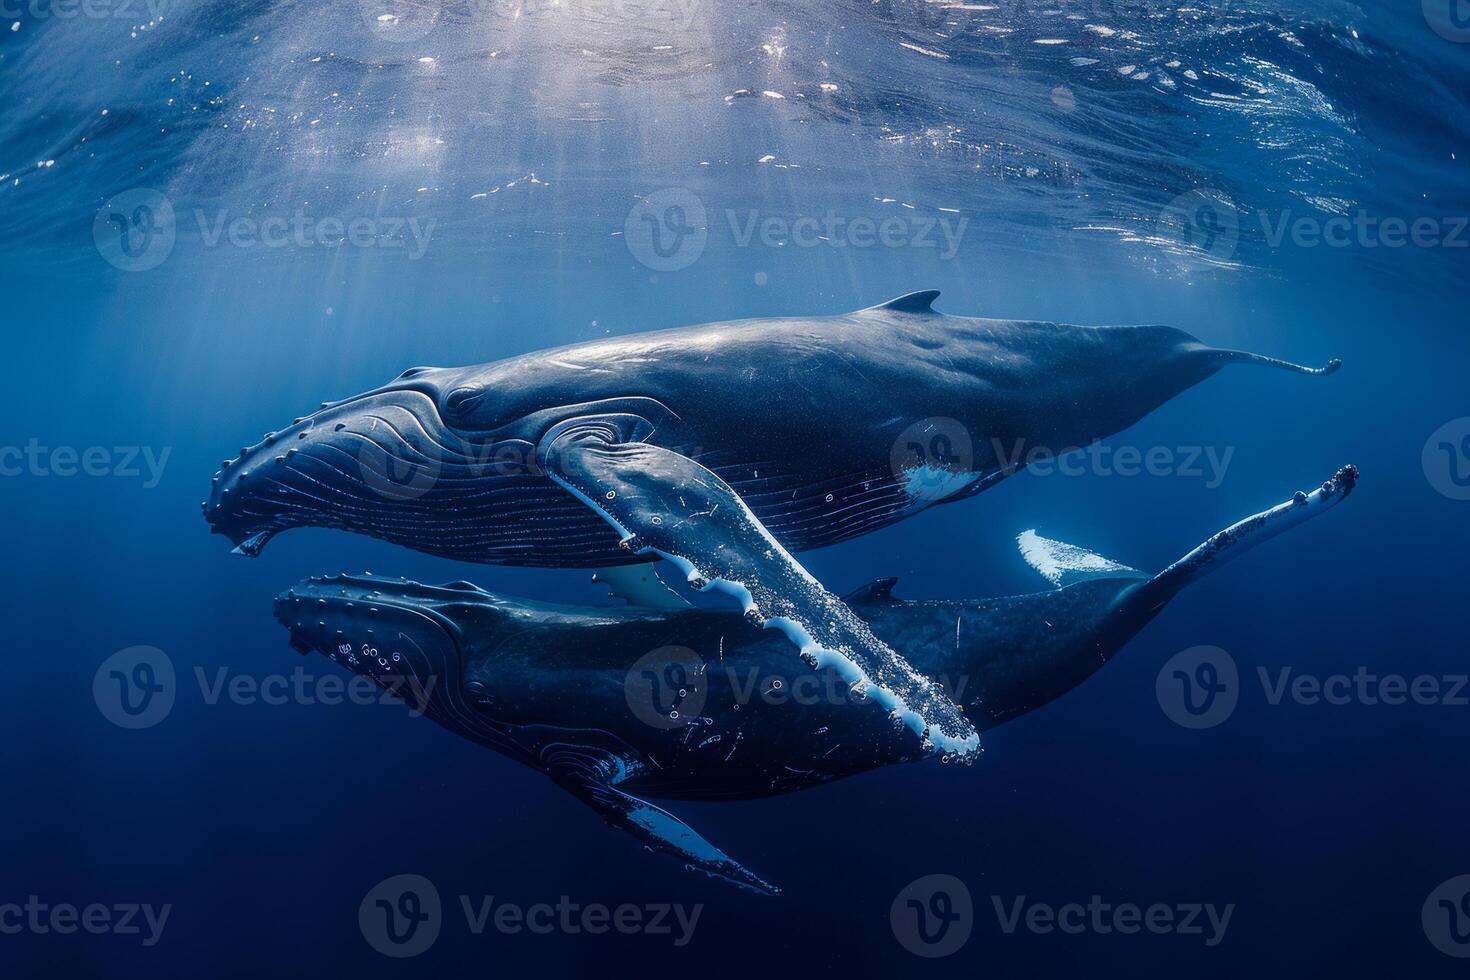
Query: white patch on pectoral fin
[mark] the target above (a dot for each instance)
(1064, 564)
(929, 484)
(585, 772)
(639, 585)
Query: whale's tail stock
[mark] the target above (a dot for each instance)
(1223, 355)
(1240, 537)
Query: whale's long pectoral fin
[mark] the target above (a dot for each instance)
(667, 504)
(591, 781)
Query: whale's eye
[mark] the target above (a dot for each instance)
(462, 401)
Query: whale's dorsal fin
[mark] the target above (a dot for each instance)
(878, 590)
(920, 302)
(1064, 564)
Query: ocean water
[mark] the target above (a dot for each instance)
(213, 216)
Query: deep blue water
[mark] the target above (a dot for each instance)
(516, 138)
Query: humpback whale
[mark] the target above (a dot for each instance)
(721, 448)
(620, 704)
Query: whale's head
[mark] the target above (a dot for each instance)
(415, 461)
(415, 642)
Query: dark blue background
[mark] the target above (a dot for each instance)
(263, 826)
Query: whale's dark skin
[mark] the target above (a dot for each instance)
(701, 705)
(722, 448)
(786, 410)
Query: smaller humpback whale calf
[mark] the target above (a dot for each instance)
(621, 703)
(723, 448)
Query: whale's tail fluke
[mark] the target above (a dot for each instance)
(1226, 356)
(1244, 535)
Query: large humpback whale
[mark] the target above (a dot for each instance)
(613, 702)
(722, 448)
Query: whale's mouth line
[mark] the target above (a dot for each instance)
(361, 622)
(270, 487)
(360, 465)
